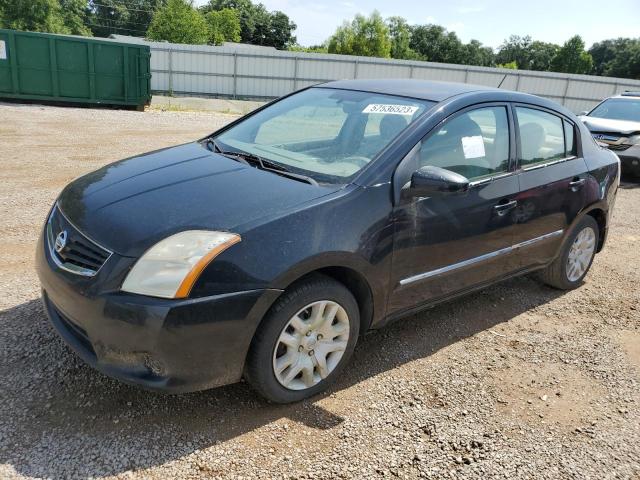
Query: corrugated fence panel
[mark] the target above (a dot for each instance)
(490, 79)
(591, 90)
(380, 70)
(259, 72)
(322, 69)
(439, 74)
(545, 87)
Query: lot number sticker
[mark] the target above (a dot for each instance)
(473, 147)
(3, 50)
(390, 109)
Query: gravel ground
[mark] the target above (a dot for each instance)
(517, 381)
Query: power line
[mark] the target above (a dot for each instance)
(128, 22)
(128, 8)
(128, 3)
(108, 27)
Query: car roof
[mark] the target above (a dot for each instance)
(404, 87)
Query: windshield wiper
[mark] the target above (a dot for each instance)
(262, 163)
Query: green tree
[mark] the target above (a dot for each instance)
(540, 56)
(258, 26)
(474, 53)
(572, 58)
(515, 49)
(178, 22)
(280, 32)
(434, 44)
(367, 36)
(603, 53)
(75, 16)
(32, 15)
(618, 57)
(312, 49)
(130, 17)
(400, 35)
(224, 26)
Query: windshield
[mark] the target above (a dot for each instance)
(618, 109)
(326, 134)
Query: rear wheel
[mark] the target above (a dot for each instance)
(569, 269)
(305, 341)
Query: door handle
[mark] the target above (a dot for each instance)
(503, 208)
(577, 184)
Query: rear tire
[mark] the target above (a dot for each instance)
(572, 265)
(305, 340)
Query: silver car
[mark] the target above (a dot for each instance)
(616, 122)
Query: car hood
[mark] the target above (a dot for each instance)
(595, 124)
(130, 205)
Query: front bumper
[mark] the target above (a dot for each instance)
(630, 160)
(170, 345)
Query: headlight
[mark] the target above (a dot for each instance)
(633, 140)
(171, 267)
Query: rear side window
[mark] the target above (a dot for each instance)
(474, 144)
(542, 136)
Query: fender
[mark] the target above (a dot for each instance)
(599, 205)
(331, 261)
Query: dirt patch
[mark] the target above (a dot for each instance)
(630, 342)
(548, 393)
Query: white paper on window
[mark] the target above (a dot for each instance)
(3, 50)
(473, 147)
(390, 109)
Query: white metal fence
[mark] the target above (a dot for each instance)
(263, 73)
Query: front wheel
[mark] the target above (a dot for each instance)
(305, 341)
(569, 269)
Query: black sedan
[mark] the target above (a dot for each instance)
(264, 250)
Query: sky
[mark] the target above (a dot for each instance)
(490, 21)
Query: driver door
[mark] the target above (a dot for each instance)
(446, 244)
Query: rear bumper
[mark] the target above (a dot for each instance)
(169, 345)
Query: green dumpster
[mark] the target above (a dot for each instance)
(62, 68)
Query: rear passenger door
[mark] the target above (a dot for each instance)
(448, 244)
(552, 175)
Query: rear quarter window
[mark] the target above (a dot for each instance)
(570, 139)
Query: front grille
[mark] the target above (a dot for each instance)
(607, 137)
(71, 249)
(619, 148)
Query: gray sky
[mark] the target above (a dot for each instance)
(490, 21)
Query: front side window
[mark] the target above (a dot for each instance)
(542, 137)
(474, 144)
(324, 133)
(618, 109)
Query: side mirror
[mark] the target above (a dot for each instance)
(583, 113)
(430, 181)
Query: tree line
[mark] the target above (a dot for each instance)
(218, 21)
(394, 37)
(175, 21)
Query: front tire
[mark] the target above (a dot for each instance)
(572, 265)
(305, 340)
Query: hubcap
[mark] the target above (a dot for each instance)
(580, 254)
(311, 345)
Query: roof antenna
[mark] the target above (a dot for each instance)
(502, 81)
